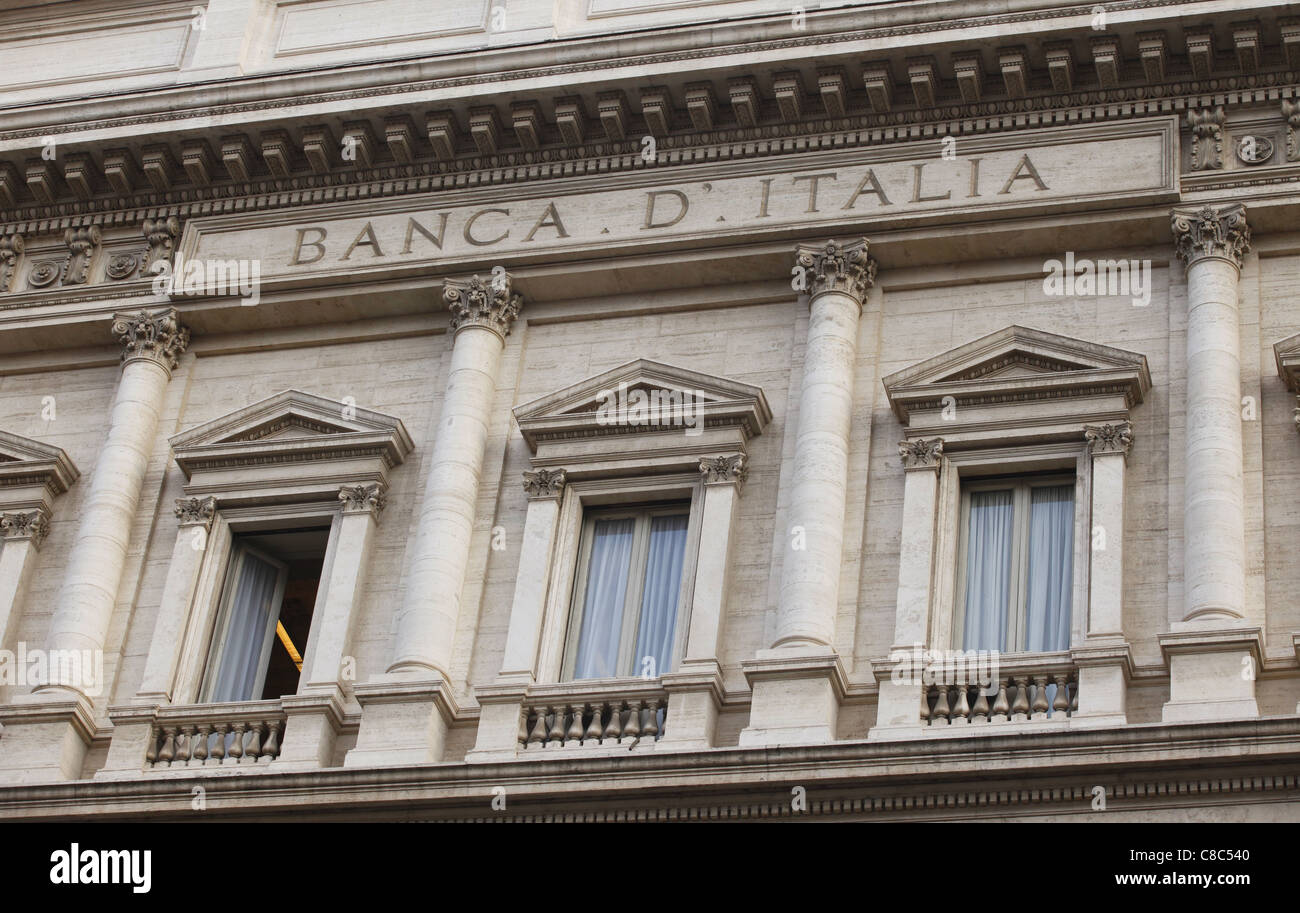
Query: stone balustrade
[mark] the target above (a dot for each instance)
(594, 719)
(1029, 689)
(216, 735)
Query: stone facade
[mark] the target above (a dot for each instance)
(271, 267)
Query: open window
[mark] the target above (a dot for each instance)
(264, 617)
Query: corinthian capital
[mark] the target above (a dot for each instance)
(1211, 232)
(921, 453)
(725, 470)
(545, 483)
(28, 524)
(154, 335)
(364, 498)
(477, 303)
(835, 267)
(196, 511)
(1116, 438)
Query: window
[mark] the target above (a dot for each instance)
(264, 617)
(1016, 580)
(628, 588)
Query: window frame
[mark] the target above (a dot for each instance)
(220, 636)
(643, 517)
(1021, 486)
(207, 619)
(581, 497)
(976, 465)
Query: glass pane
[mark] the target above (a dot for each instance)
(1051, 554)
(663, 580)
(988, 569)
(251, 609)
(602, 607)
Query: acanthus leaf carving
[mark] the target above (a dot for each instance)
(11, 248)
(82, 244)
(733, 469)
(489, 304)
(154, 335)
(372, 498)
(33, 525)
(161, 235)
(1211, 232)
(195, 511)
(545, 483)
(836, 267)
(1113, 438)
(923, 453)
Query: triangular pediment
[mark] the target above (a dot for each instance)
(1287, 355)
(1019, 363)
(666, 393)
(24, 461)
(292, 426)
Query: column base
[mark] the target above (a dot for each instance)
(797, 693)
(899, 681)
(311, 726)
(1105, 669)
(694, 698)
(46, 736)
(404, 720)
(1212, 673)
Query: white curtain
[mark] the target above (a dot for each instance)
(251, 611)
(663, 580)
(1051, 553)
(602, 610)
(988, 569)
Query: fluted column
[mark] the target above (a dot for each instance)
(1214, 652)
(798, 683)
(152, 343)
(838, 277)
(482, 313)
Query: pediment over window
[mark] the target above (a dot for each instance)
(642, 410)
(32, 472)
(292, 437)
(1018, 383)
(1287, 355)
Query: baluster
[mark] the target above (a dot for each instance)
(237, 744)
(633, 727)
(1040, 697)
(593, 728)
(614, 728)
(980, 712)
(255, 743)
(1001, 707)
(184, 744)
(555, 736)
(169, 745)
(925, 705)
(651, 730)
(272, 747)
(575, 727)
(1020, 709)
(200, 752)
(522, 738)
(1074, 695)
(941, 709)
(1061, 703)
(219, 749)
(151, 753)
(538, 735)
